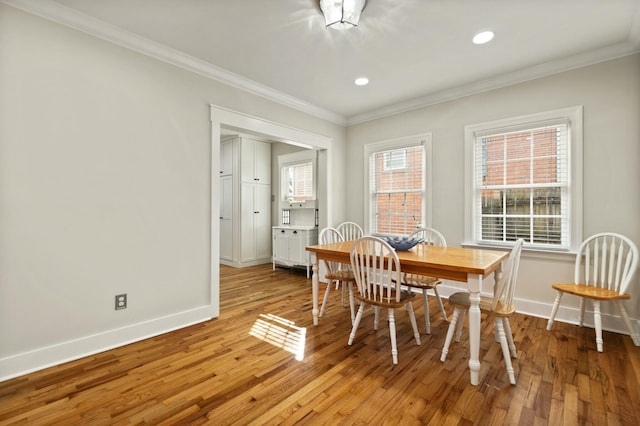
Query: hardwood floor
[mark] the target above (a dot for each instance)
(241, 369)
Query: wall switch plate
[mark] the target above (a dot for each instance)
(121, 301)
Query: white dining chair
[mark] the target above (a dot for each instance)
(350, 230)
(604, 267)
(376, 268)
(336, 272)
(432, 237)
(500, 306)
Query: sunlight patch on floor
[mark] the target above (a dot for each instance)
(281, 333)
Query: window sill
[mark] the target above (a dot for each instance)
(528, 252)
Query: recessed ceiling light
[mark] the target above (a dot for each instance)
(362, 81)
(483, 37)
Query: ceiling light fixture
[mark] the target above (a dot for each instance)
(342, 13)
(361, 81)
(483, 37)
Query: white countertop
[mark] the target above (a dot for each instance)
(295, 227)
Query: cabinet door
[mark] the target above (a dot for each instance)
(262, 222)
(226, 239)
(247, 160)
(280, 245)
(226, 197)
(226, 158)
(255, 226)
(226, 218)
(262, 162)
(295, 246)
(247, 219)
(255, 161)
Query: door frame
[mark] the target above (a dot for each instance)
(244, 123)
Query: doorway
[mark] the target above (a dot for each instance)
(223, 121)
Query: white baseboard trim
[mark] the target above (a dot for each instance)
(246, 263)
(38, 359)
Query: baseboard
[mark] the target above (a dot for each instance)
(246, 263)
(38, 359)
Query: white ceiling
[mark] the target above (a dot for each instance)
(414, 52)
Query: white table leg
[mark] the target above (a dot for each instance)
(475, 287)
(314, 290)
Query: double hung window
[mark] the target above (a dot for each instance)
(524, 180)
(398, 195)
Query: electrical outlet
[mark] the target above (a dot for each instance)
(121, 301)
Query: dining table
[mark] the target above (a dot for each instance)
(472, 266)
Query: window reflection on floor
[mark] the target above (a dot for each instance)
(281, 333)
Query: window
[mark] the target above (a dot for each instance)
(298, 181)
(398, 196)
(297, 176)
(524, 180)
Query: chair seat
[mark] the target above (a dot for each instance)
(405, 297)
(461, 300)
(341, 275)
(590, 292)
(420, 281)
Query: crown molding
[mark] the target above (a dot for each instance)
(546, 69)
(72, 18)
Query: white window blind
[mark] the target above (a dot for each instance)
(522, 183)
(397, 189)
(300, 181)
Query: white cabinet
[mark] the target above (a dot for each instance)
(245, 202)
(289, 245)
(253, 167)
(255, 222)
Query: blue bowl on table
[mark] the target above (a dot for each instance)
(403, 243)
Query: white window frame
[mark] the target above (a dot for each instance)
(573, 115)
(400, 143)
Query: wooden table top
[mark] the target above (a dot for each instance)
(454, 263)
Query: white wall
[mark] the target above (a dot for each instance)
(105, 163)
(610, 94)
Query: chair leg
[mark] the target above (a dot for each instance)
(425, 302)
(414, 324)
(324, 300)
(351, 302)
(507, 331)
(356, 323)
(392, 334)
(463, 314)
(627, 321)
(450, 331)
(582, 306)
(554, 310)
(439, 299)
(344, 292)
(376, 317)
(499, 326)
(597, 321)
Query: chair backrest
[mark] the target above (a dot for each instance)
(350, 230)
(376, 268)
(430, 236)
(506, 286)
(328, 236)
(606, 260)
